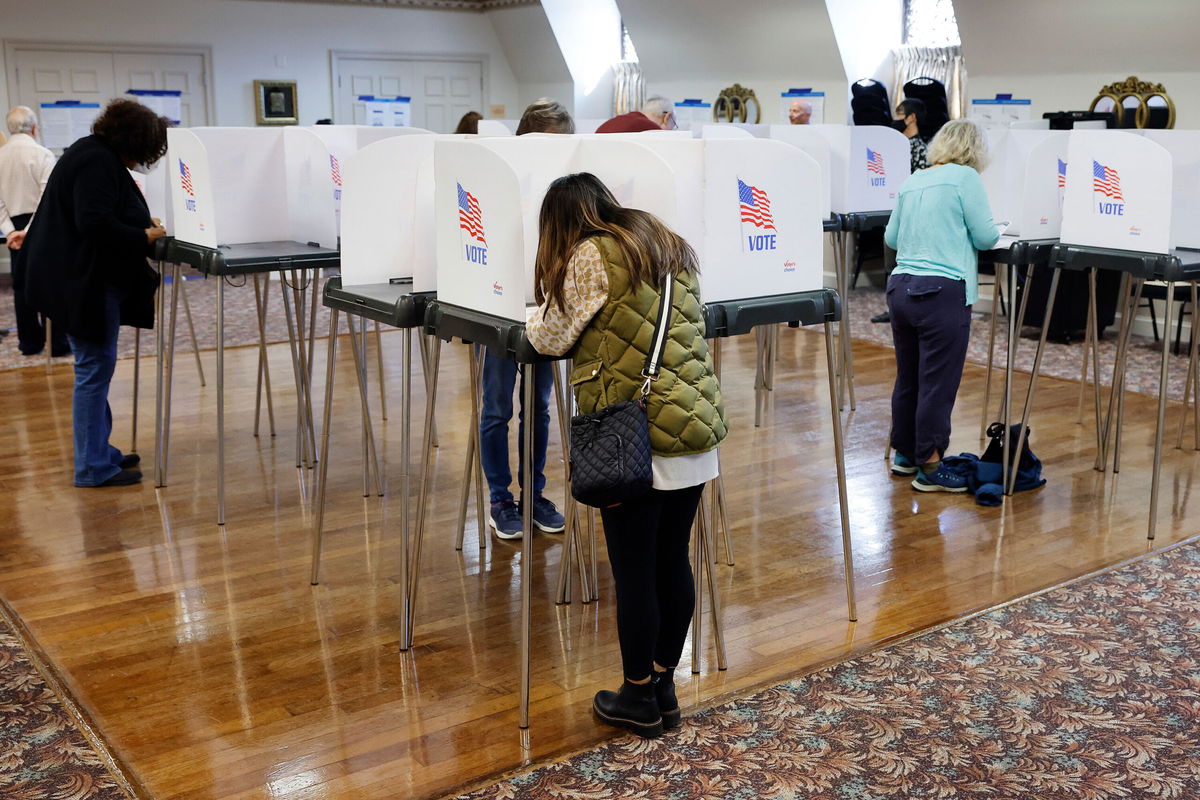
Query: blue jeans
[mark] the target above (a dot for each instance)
(499, 380)
(931, 324)
(95, 459)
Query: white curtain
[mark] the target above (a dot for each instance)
(629, 88)
(943, 63)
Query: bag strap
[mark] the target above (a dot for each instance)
(662, 327)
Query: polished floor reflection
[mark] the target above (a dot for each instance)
(217, 671)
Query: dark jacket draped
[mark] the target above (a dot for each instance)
(89, 233)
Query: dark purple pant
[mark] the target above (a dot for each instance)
(930, 327)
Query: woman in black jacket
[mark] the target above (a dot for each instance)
(86, 253)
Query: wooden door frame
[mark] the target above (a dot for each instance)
(13, 46)
(336, 58)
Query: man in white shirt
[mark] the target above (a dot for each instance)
(24, 169)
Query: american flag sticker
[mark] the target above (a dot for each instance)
(875, 162)
(1062, 174)
(1106, 181)
(185, 178)
(755, 206)
(470, 218)
(336, 169)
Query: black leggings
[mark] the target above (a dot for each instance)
(648, 550)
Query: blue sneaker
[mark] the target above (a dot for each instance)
(903, 465)
(546, 516)
(940, 480)
(506, 520)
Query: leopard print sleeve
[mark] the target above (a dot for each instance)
(553, 331)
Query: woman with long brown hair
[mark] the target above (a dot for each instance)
(600, 268)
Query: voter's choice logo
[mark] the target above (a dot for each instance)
(335, 171)
(470, 223)
(185, 181)
(876, 171)
(754, 208)
(498, 288)
(1106, 182)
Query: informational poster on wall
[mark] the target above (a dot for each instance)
(164, 102)
(385, 112)
(692, 113)
(66, 121)
(1000, 111)
(802, 107)
(1118, 192)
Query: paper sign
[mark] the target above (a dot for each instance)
(691, 115)
(762, 220)
(1118, 192)
(385, 112)
(1000, 112)
(65, 122)
(164, 102)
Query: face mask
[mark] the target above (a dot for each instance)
(899, 125)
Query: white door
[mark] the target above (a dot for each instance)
(46, 76)
(179, 72)
(441, 91)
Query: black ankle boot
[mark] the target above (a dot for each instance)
(664, 694)
(633, 706)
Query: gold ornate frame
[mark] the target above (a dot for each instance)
(1142, 91)
(733, 105)
(264, 115)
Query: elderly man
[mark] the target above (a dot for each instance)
(657, 113)
(24, 169)
(800, 112)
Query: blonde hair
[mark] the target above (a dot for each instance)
(960, 141)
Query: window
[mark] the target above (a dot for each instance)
(930, 23)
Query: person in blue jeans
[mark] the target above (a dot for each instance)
(941, 221)
(499, 378)
(86, 250)
(499, 381)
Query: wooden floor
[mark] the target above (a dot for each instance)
(217, 671)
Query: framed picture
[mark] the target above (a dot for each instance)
(275, 103)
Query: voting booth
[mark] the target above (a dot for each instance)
(388, 209)
(1119, 193)
(239, 185)
(759, 230)
(867, 166)
(1025, 179)
(1184, 147)
(816, 145)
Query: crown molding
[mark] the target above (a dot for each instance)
(440, 5)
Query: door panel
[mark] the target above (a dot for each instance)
(181, 72)
(441, 91)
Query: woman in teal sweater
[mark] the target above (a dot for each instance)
(941, 221)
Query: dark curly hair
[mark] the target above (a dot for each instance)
(133, 131)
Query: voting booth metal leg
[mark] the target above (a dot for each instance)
(1011, 476)
(991, 349)
(187, 314)
(473, 466)
(840, 460)
(159, 308)
(406, 597)
(302, 454)
(427, 345)
(172, 332)
(1095, 313)
(306, 364)
(1121, 395)
(714, 595)
(572, 553)
(718, 497)
(847, 373)
(382, 376)
(220, 400)
(371, 454)
(1123, 334)
(137, 366)
(527, 410)
(264, 367)
(705, 582)
(435, 355)
(1088, 345)
(318, 531)
(1162, 411)
(1191, 377)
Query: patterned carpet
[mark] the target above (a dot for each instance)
(47, 749)
(1090, 690)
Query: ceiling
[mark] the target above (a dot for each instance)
(444, 5)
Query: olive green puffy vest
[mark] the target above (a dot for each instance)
(685, 409)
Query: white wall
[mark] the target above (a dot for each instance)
(535, 58)
(263, 40)
(589, 37)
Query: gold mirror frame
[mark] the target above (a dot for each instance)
(733, 105)
(1142, 91)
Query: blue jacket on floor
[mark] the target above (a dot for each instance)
(985, 478)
